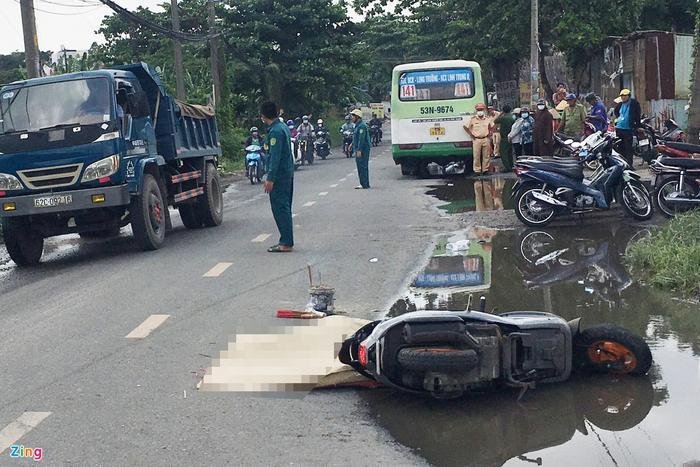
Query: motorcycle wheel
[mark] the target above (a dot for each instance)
(617, 403)
(437, 359)
(672, 186)
(635, 200)
(531, 211)
(611, 349)
(535, 244)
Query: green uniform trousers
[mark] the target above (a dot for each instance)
(281, 203)
(363, 169)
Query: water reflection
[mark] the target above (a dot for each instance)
(571, 272)
(490, 429)
(474, 194)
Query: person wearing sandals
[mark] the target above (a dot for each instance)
(280, 176)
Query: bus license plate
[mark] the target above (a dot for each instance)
(53, 201)
(437, 131)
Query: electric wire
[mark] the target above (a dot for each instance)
(62, 14)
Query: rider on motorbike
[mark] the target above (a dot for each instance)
(320, 127)
(305, 131)
(376, 121)
(348, 125)
(257, 139)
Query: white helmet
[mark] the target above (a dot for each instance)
(320, 121)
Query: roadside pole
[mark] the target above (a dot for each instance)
(31, 43)
(177, 53)
(214, 52)
(534, 53)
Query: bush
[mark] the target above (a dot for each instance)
(670, 257)
(232, 154)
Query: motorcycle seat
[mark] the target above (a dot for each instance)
(683, 146)
(570, 169)
(681, 162)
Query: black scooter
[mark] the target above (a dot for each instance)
(446, 354)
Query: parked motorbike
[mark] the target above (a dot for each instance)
(547, 188)
(676, 184)
(255, 166)
(448, 353)
(568, 148)
(374, 131)
(347, 143)
(321, 146)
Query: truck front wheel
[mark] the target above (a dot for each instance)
(210, 205)
(148, 215)
(24, 245)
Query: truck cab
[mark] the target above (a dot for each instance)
(93, 151)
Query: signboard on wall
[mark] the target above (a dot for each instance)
(508, 93)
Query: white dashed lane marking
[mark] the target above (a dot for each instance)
(20, 427)
(342, 179)
(334, 185)
(323, 193)
(261, 238)
(217, 270)
(309, 204)
(295, 215)
(147, 327)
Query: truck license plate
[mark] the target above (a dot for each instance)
(53, 201)
(437, 131)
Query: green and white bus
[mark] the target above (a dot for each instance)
(430, 103)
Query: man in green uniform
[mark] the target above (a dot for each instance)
(280, 176)
(360, 146)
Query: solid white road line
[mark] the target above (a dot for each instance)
(218, 270)
(309, 204)
(20, 427)
(334, 185)
(147, 327)
(323, 193)
(261, 238)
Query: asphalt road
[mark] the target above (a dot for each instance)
(119, 401)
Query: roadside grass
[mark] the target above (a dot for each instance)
(670, 257)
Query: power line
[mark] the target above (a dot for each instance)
(61, 14)
(84, 4)
(136, 19)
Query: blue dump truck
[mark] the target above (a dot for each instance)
(93, 151)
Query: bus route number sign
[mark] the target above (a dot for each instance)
(408, 91)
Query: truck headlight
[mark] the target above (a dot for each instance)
(102, 168)
(9, 182)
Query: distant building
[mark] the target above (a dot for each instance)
(655, 65)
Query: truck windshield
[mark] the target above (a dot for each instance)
(33, 108)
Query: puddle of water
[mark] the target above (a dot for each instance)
(474, 194)
(590, 420)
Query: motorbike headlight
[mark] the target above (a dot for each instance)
(102, 168)
(9, 182)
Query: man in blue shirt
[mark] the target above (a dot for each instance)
(280, 176)
(628, 114)
(599, 114)
(360, 146)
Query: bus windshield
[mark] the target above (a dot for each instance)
(42, 106)
(433, 85)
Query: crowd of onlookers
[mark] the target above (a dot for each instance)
(513, 133)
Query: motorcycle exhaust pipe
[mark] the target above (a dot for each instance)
(683, 200)
(547, 199)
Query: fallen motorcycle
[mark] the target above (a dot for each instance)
(446, 354)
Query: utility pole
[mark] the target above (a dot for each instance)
(214, 52)
(31, 43)
(177, 52)
(534, 52)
